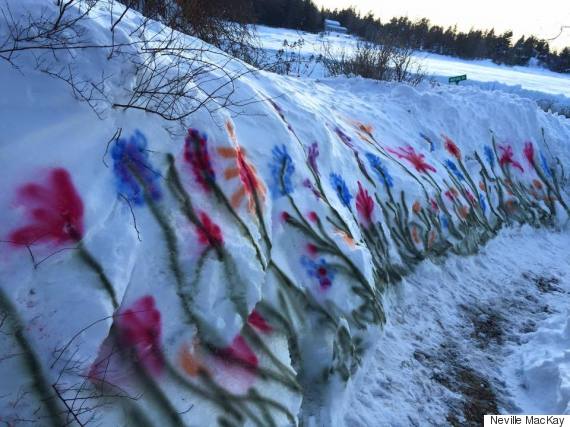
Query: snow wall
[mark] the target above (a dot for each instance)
(231, 267)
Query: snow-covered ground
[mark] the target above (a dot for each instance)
(276, 257)
(438, 66)
(466, 336)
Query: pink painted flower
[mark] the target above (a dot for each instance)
(256, 320)
(452, 148)
(364, 204)
(210, 234)
(139, 330)
(55, 210)
(416, 159)
(240, 353)
(529, 152)
(506, 157)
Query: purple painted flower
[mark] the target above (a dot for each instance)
(344, 137)
(313, 154)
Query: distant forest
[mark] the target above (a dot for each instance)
(421, 34)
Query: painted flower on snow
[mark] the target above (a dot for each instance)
(380, 169)
(529, 152)
(452, 148)
(364, 204)
(55, 211)
(239, 353)
(344, 137)
(506, 157)
(139, 330)
(489, 155)
(416, 159)
(134, 174)
(247, 175)
(453, 168)
(312, 157)
(256, 320)
(545, 167)
(210, 234)
(341, 189)
(320, 270)
(482, 203)
(197, 156)
(282, 170)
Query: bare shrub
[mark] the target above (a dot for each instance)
(174, 75)
(374, 61)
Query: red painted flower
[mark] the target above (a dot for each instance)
(364, 204)
(452, 148)
(434, 205)
(416, 159)
(312, 249)
(313, 216)
(256, 320)
(55, 210)
(506, 157)
(210, 234)
(239, 352)
(196, 154)
(285, 216)
(139, 329)
(529, 152)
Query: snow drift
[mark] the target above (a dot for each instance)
(230, 266)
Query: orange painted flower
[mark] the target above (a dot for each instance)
(189, 362)
(347, 239)
(417, 207)
(482, 186)
(251, 185)
(415, 235)
(463, 211)
(432, 236)
(537, 184)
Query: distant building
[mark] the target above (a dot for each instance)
(334, 27)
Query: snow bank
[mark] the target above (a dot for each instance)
(230, 267)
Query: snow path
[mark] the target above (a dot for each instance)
(464, 338)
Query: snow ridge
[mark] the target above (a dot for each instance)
(236, 272)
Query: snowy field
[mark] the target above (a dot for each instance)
(297, 251)
(438, 66)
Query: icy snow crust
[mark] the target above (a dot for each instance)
(235, 271)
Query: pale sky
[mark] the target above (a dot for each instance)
(542, 18)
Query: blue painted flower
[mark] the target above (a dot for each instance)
(341, 189)
(320, 270)
(380, 169)
(428, 140)
(489, 155)
(544, 164)
(444, 222)
(453, 168)
(282, 170)
(482, 203)
(134, 174)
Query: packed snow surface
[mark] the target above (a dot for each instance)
(286, 253)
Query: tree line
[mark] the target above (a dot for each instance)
(501, 48)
